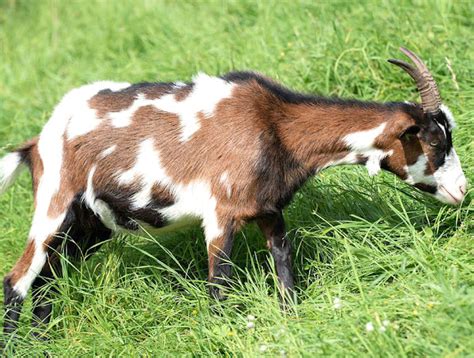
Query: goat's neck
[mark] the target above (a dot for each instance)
(323, 135)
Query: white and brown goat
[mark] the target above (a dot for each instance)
(224, 150)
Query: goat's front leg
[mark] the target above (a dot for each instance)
(273, 227)
(219, 249)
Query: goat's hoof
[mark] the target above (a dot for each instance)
(217, 294)
(39, 336)
(288, 302)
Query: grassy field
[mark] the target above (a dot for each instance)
(369, 252)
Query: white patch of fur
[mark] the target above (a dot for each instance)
(43, 226)
(374, 158)
(108, 151)
(449, 179)
(364, 140)
(362, 143)
(224, 180)
(98, 207)
(194, 199)
(147, 171)
(416, 172)
(81, 118)
(41, 229)
(124, 118)
(24, 283)
(449, 115)
(206, 94)
(442, 129)
(10, 168)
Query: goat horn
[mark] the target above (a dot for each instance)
(430, 98)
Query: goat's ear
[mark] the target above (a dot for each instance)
(409, 131)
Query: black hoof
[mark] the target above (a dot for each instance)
(217, 293)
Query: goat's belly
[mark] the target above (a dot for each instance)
(143, 220)
(134, 210)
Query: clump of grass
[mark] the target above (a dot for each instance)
(381, 270)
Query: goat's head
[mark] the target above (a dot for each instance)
(423, 152)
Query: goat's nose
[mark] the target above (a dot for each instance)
(463, 186)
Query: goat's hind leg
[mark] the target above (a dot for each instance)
(18, 282)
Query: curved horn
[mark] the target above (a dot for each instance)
(430, 98)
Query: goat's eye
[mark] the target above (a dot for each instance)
(434, 144)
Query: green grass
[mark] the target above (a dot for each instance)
(386, 251)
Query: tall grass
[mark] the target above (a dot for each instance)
(366, 249)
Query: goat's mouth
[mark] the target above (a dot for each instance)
(449, 197)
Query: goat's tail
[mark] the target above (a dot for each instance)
(13, 164)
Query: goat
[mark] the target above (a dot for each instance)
(225, 150)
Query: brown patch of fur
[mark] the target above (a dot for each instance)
(430, 153)
(183, 93)
(72, 181)
(30, 155)
(406, 149)
(109, 101)
(219, 249)
(157, 91)
(161, 194)
(214, 252)
(36, 169)
(319, 131)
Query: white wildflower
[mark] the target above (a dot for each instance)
(385, 322)
(250, 318)
(283, 353)
(382, 329)
(369, 326)
(262, 348)
(250, 325)
(337, 303)
(280, 332)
